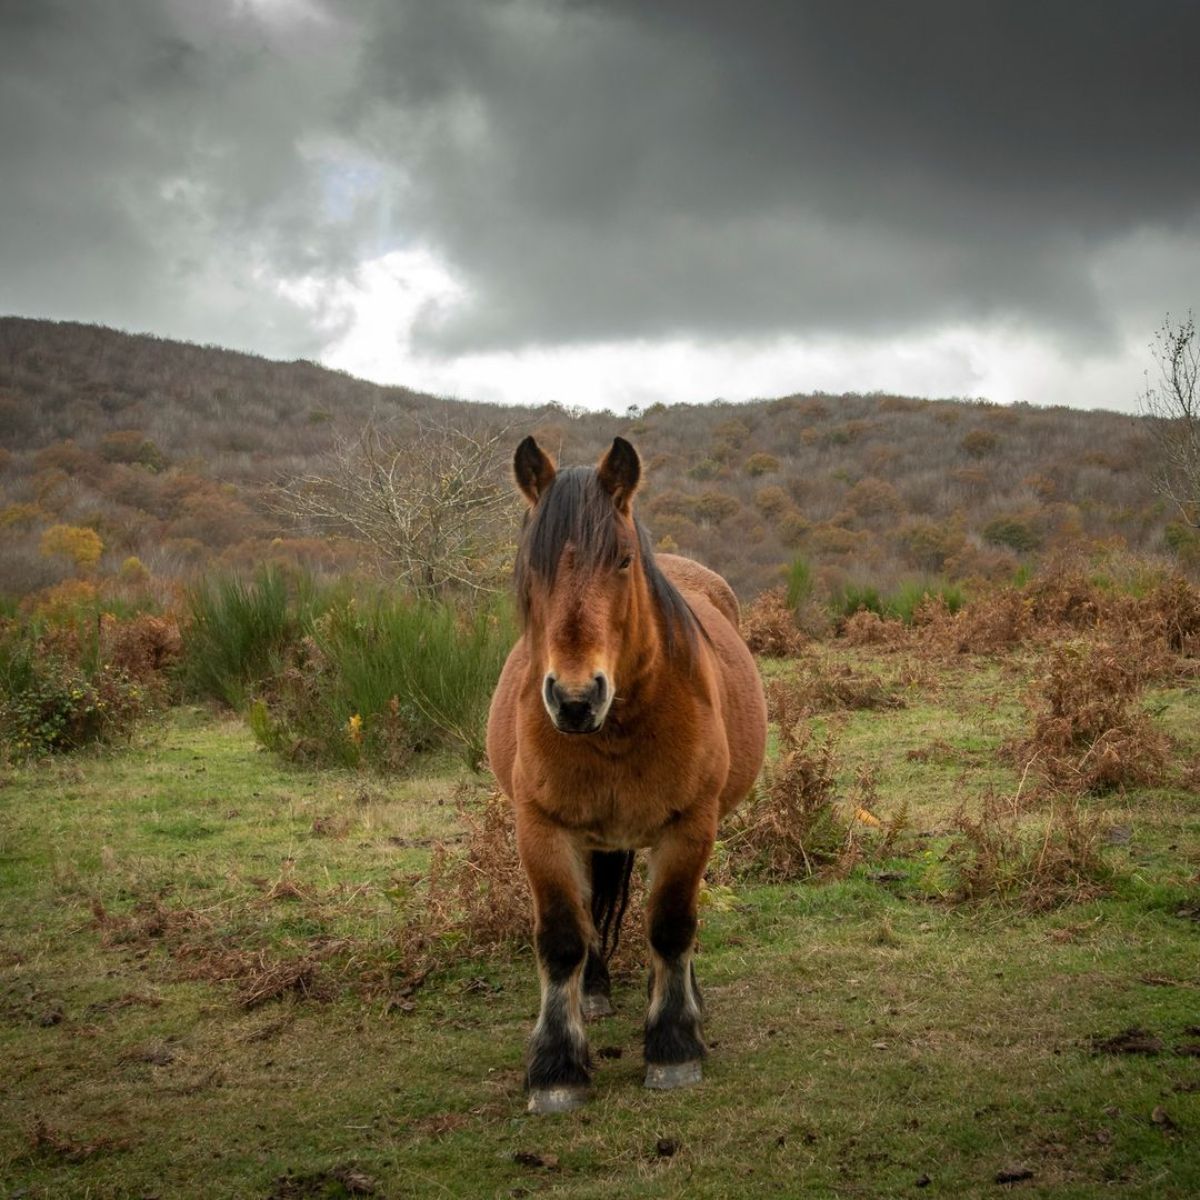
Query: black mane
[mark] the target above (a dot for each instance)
(575, 508)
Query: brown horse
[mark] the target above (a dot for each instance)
(629, 715)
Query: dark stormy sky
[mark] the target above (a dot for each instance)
(607, 202)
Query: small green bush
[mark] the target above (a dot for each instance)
(1013, 532)
(52, 701)
(905, 600)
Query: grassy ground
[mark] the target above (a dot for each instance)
(870, 1038)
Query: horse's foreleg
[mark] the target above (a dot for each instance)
(674, 1044)
(557, 1074)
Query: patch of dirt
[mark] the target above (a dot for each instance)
(128, 1000)
(47, 1141)
(527, 1158)
(1128, 1041)
(337, 1181)
(440, 1124)
(1013, 1174)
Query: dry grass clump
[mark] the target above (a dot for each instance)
(769, 626)
(996, 858)
(1087, 732)
(992, 624)
(480, 895)
(828, 687)
(145, 647)
(867, 628)
(187, 936)
(48, 1141)
(146, 922)
(1171, 614)
(259, 976)
(793, 827)
(1065, 596)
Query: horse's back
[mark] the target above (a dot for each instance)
(690, 576)
(743, 707)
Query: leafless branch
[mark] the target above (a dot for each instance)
(430, 501)
(1172, 406)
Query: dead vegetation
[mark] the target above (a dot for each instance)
(825, 686)
(769, 626)
(1000, 856)
(48, 1141)
(793, 827)
(1088, 732)
(797, 825)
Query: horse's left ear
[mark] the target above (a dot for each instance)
(619, 471)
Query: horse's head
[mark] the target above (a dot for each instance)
(582, 581)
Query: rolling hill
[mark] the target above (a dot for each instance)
(164, 449)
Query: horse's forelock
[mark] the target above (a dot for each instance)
(575, 508)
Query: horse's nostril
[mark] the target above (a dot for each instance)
(601, 684)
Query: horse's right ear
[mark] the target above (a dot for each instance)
(534, 469)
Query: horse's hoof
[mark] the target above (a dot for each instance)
(562, 1099)
(596, 1005)
(665, 1076)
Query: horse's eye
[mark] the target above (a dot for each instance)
(626, 562)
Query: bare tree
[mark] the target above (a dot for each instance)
(1173, 408)
(430, 501)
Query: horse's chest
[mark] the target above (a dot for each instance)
(616, 807)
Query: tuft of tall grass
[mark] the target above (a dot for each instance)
(428, 663)
(799, 583)
(239, 631)
(899, 604)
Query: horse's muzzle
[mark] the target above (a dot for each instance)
(577, 709)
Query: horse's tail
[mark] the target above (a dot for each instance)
(612, 871)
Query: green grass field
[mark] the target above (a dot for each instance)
(871, 1036)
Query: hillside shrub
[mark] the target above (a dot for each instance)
(714, 506)
(133, 447)
(761, 464)
(794, 529)
(872, 497)
(772, 501)
(81, 545)
(930, 544)
(1017, 533)
(979, 443)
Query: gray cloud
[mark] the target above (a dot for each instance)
(598, 170)
(154, 167)
(626, 170)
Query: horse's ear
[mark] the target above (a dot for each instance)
(534, 469)
(619, 471)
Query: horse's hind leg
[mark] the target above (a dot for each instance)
(557, 1075)
(610, 873)
(674, 1045)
